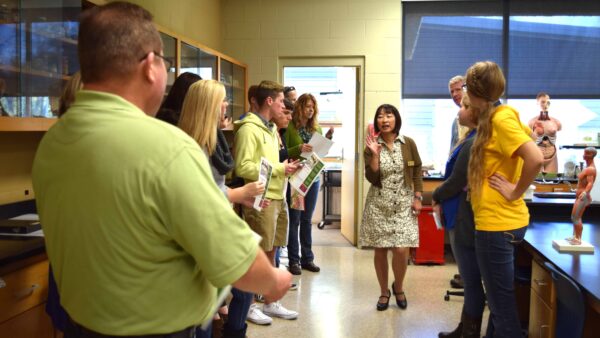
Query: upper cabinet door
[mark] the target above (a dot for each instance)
(197, 61)
(170, 52)
(233, 77)
(38, 54)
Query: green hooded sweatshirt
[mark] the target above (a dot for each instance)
(253, 140)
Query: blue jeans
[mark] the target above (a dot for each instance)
(204, 333)
(301, 224)
(469, 271)
(452, 239)
(495, 255)
(238, 310)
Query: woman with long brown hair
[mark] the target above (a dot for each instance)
(304, 124)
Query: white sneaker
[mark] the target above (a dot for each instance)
(294, 287)
(277, 310)
(256, 316)
(283, 253)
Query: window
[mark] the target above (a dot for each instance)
(551, 46)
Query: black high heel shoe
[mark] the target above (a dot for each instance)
(403, 304)
(384, 306)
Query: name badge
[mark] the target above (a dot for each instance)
(411, 163)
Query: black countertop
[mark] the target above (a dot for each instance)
(15, 248)
(583, 268)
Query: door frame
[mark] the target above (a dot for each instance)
(347, 61)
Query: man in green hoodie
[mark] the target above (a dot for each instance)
(257, 137)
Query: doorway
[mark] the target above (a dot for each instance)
(336, 85)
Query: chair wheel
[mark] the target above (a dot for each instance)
(447, 298)
(321, 225)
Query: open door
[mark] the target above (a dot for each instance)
(335, 83)
(350, 162)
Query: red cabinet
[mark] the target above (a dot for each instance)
(431, 240)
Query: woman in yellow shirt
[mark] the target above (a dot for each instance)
(504, 161)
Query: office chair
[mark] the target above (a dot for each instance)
(453, 293)
(570, 311)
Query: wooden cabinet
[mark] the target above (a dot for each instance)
(39, 53)
(23, 294)
(562, 187)
(542, 311)
(194, 57)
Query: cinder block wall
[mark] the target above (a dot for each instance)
(259, 32)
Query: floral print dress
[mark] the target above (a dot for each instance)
(388, 220)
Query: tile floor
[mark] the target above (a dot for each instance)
(340, 300)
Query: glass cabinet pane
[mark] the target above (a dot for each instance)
(9, 57)
(196, 61)
(233, 77)
(170, 52)
(38, 54)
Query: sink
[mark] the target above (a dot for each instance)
(557, 194)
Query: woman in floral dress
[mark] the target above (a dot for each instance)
(393, 167)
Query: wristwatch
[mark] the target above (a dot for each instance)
(420, 198)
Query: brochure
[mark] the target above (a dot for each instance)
(320, 144)
(308, 174)
(264, 176)
(437, 217)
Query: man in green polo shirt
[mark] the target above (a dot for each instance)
(138, 234)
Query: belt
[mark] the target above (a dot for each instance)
(75, 330)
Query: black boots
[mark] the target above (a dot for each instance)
(457, 333)
(471, 326)
(467, 328)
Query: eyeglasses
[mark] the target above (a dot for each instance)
(167, 61)
(464, 87)
(288, 89)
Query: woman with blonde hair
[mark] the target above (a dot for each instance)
(504, 161)
(201, 115)
(68, 95)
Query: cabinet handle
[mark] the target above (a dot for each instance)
(540, 282)
(27, 292)
(2, 283)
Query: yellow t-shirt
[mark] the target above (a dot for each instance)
(492, 211)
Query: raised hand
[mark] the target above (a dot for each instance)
(329, 133)
(373, 145)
